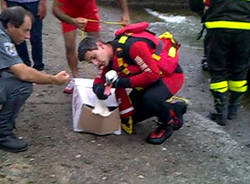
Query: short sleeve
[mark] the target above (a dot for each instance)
(8, 54)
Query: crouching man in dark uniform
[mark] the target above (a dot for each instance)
(148, 65)
(15, 77)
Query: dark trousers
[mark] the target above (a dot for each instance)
(13, 94)
(228, 53)
(151, 102)
(36, 37)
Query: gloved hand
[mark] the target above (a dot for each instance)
(99, 91)
(116, 81)
(121, 83)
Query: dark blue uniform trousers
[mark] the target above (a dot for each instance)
(13, 94)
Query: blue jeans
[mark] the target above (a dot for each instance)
(14, 93)
(36, 37)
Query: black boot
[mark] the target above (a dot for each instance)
(233, 105)
(178, 110)
(161, 133)
(220, 106)
(13, 144)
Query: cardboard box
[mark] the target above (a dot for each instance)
(84, 120)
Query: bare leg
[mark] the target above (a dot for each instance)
(71, 54)
(70, 46)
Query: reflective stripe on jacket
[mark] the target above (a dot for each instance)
(228, 14)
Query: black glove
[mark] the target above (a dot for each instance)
(121, 83)
(99, 91)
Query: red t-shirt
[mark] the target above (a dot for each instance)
(81, 8)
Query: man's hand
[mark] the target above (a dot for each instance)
(80, 22)
(125, 20)
(42, 9)
(61, 78)
(99, 91)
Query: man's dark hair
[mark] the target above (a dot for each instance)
(15, 16)
(87, 44)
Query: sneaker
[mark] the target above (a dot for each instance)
(13, 144)
(160, 134)
(70, 87)
(179, 109)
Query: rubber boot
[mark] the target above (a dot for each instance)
(178, 110)
(162, 132)
(233, 105)
(220, 107)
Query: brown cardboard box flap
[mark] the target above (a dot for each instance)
(97, 124)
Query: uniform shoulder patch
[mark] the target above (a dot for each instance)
(10, 48)
(1, 32)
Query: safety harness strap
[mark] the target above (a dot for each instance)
(158, 50)
(124, 43)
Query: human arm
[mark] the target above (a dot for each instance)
(42, 9)
(125, 19)
(98, 85)
(79, 22)
(3, 5)
(26, 73)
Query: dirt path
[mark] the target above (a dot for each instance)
(200, 152)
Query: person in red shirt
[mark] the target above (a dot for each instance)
(146, 64)
(73, 15)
